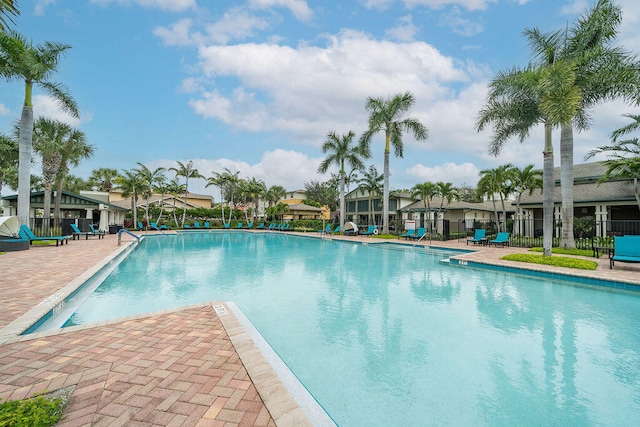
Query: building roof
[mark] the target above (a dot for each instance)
(79, 197)
(586, 188)
(303, 207)
(418, 206)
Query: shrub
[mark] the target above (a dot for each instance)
(36, 411)
(563, 251)
(556, 261)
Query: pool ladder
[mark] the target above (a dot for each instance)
(124, 230)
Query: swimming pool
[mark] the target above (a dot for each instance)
(395, 337)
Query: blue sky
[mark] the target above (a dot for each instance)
(256, 85)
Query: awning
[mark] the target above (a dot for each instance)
(9, 226)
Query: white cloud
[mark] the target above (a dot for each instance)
(45, 106)
(309, 90)
(168, 5)
(405, 31)
(4, 111)
(38, 9)
(438, 4)
(178, 34)
(458, 174)
(460, 25)
(299, 8)
(274, 168)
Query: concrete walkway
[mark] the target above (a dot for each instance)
(190, 366)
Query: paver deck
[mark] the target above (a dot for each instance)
(186, 367)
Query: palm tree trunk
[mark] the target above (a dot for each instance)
(342, 200)
(547, 192)
(566, 182)
(46, 209)
(58, 199)
(385, 192)
(24, 165)
(636, 191)
(495, 211)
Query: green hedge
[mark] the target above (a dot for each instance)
(557, 261)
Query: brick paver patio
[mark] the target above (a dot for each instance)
(183, 367)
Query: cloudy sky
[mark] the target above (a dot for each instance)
(255, 85)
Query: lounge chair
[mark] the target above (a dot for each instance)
(261, 226)
(407, 234)
(478, 237)
(250, 225)
(140, 226)
(155, 226)
(326, 230)
(26, 233)
(77, 233)
(337, 230)
(501, 239)
(625, 249)
(186, 225)
(226, 225)
(239, 225)
(196, 224)
(419, 233)
(373, 229)
(206, 224)
(99, 233)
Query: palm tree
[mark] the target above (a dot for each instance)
(231, 182)
(175, 188)
(446, 191)
(74, 149)
(130, 183)
(425, 191)
(275, 193)
(513, 107)
(525, 179)
(218, 181)
(149, 178)
(8, 157)
(8, 10)
(21, 60)
(103, 178)
(496, 181)
(384, 115)
(370, 184)
(161, 187)
(341, 150)
(255, 188)
(187, 171)
(48, 138)
(624, 157)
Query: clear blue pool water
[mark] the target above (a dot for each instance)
(382, 336)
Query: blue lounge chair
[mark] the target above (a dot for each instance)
(239, 225)
(478, 237)
(625, 249)
(196, 224)
(77, 233)
(140, 226)
(261, 226)
(99, 233)
(153, 226)
(326, 230)
(373, 229)
(407, 234)
(250, 225)
(26, 233)
(186, 225)
(419, 233)
(501, 239)
(206, 224)
(337, 230)
(226, 225)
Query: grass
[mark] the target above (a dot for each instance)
(562, 251)
(556, 261)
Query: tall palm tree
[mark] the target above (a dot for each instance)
(624, 156)
(513, 108)
(48, 138)
(218, 181)
(103, 178)
(446, 191)
(231, 182)
(8, 157)
(275, 193)
(8, 10)
(150, 178)
(255, 189)
(21, 60)
(187, 171)
(494, 182)
(131, 185)
(161, 187)
(601, 72)
(341, 150)
(525, 179)
(175, 189)
(385, 115)
(371, 184)
(425, 191)
(74, 149)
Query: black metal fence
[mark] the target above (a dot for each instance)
(57, 226)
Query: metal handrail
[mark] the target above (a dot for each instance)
(124, 230)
